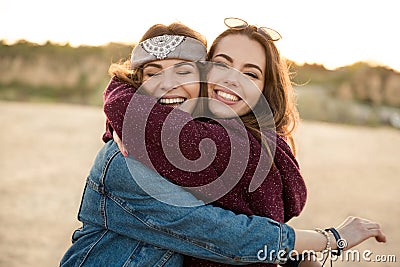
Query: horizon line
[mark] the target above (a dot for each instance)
(68, 43)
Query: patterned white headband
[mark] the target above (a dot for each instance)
(168, 46)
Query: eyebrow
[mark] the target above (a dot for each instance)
(177, 65)
(248, 65)
(152, 65)
(183, 64)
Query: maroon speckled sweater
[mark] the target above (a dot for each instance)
(281, 194)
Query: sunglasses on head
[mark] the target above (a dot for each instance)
(239, 24)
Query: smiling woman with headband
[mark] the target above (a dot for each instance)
(125, 225)
(175, 41)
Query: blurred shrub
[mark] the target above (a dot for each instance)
(356, 94)
(53, 72)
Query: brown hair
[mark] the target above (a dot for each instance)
(278, 89)
(134, 76)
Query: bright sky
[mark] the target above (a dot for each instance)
(330, 32)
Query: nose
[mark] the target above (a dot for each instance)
(231, 78)
(169, 81)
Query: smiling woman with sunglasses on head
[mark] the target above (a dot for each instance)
(248, 79)
(123, 224)
(255, 47)
(251, 50)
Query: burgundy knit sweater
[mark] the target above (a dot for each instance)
(237, 156)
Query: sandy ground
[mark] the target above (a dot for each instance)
(47, 151)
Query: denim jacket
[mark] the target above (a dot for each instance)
(122, 225)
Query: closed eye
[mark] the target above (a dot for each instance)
(152, 74)
(184, 68)
(184, 72)
(251, 74)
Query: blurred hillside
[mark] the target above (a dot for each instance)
(56, 73)
(356, 94)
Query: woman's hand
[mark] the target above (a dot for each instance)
(355, 230)
(352, 231)
(120, 144)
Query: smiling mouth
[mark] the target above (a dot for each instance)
(172, 101)
(226, 97)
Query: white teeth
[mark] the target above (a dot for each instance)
(227, 96)
(171, 100)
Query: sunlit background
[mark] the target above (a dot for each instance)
(54, 57)
(333, 33)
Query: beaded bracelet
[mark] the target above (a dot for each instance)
(340, 242)
(328, 239)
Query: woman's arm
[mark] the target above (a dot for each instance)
(113, 199)
(197, 230)
(116, 96)
(149, 132)
(354, 230)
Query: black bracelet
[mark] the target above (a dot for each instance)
(340, 242)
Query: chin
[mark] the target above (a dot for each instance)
(222, 111)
